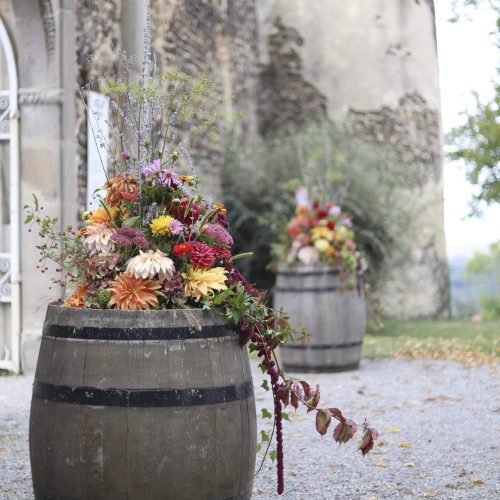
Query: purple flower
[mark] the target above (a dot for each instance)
(219, 234)
(175, 227)
(128, 236)
(152, 169)
(125, 154)
(334, 211)
(347, 222)
(168, 178)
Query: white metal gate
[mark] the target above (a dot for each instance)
(10, 297)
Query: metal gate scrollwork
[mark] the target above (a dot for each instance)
(5, 288)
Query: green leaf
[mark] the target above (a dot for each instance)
(132, 222)
(29, 218)
(219, 298)
(273, 455)
(35, 201)
(263, 368)
(285, 416)
(264, 436)
(265, 385)
(266, 413)
(241, 256)
(259, 447)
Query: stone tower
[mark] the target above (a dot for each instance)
(372, 66)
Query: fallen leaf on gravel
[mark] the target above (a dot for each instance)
(393, 429)
(409, 464)
(443, 398)
(372, 498)
(258, 491)
(429, 494)
(477, 481)
(332, 466)
(405, 444)
(380, 463)
(292, 474)
(464, 472)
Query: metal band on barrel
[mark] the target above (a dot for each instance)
(149, 398)
(322, 346)
(160, 333)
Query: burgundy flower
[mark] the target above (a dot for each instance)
(221, 253)
(179, 212)
(201, 255)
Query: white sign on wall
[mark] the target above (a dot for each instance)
(97, 139)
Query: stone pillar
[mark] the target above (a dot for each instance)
(133, 24)
(375, 65)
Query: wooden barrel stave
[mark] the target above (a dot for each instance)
(198, 450)
(318, 299)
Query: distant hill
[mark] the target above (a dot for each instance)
(464, 293)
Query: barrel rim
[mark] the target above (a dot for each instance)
(307, 270)
(110, 324)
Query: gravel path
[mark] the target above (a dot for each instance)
(439, 426)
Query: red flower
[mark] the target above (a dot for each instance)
(330, 225)
(182, 249)
(221, 253)
(293, 231)
(129, 196)
(179, 212)
(321, 214)
(315, 204)
(201, 255)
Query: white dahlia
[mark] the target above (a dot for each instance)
(97, 238)
(148, 264)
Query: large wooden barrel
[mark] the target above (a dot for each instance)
(141, 405)
(330, 308)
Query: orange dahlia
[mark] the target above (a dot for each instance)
(77, 297)
(101, 216)
(118, 185)
(129, 292)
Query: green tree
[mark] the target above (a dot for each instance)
(484, 268)
(477, 141)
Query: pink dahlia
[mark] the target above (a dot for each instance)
(219, 234)
(201, 255)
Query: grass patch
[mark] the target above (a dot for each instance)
(461, 340)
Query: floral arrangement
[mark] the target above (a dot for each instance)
(155, 243)
(320, 233)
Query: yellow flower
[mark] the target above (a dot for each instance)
(129, 292)
(343, 234)
(322, 232)
(161, 225)
(321, 245)
(203, 282)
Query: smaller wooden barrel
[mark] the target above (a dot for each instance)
(329, 307)
(141, 405)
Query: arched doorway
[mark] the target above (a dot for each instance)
(9, 207)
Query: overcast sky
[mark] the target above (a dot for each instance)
(467, 61)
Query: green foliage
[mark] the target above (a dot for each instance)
(364, 178)
(477, 141)
(484, 269)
